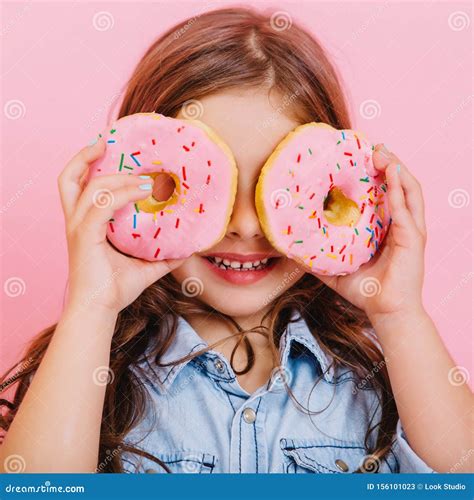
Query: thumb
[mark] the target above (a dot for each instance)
(153, 271)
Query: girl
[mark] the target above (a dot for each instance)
(182, 366)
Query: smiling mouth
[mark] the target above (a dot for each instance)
(244, 266)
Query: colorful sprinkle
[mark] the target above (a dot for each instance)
(135, 160)
(121, 162)
(157, 232)
(157, 252)
(134, 221)
(183, 169)
(177, 223)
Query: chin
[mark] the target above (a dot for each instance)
(238, 285)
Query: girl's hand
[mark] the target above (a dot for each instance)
(392, 281)
(99, 276)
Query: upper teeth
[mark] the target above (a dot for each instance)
(235, 264)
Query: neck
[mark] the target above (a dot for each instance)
(212, 328)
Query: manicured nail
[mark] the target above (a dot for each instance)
(384, 151)
(145, 187)
(144, 177)
(398, 168)
(94, 141)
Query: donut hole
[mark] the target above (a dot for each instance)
(163, 187)
(340, 210)
(166, 190)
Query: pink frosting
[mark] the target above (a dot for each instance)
(207, 177)
(296, 181)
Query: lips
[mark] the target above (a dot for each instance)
(239, 265)
(241, 268)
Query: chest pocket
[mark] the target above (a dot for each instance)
(329, 456)
(187, 462)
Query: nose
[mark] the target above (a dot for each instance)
(244, 223)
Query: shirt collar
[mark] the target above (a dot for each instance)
(187, 341)
(298, 331)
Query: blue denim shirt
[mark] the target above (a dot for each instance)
(202, 421)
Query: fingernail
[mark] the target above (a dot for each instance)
(144, 177)
(384, 151)
(145, 187)
(398, 168)
(94, 141)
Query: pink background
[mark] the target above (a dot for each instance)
(60, 76)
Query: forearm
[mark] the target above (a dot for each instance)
(57, 426)
(435, 413)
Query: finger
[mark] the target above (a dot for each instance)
(100, 189)
(381, 157)
(153, 271)
(402, 220)
(95, 220)
(69, 179)
(413, 196)
(411, 187)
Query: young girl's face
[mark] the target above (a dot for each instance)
(252, 123)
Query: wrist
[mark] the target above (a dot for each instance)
(90, 319)
(400, 318)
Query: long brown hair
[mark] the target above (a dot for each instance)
(223, 49)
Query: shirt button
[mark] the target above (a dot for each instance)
(341, 465)
(249, 415)
(219, 365)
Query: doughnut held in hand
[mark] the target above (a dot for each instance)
(195, 182)
(321, 201)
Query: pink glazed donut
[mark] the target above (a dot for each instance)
(195, 216)
(321, 201)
